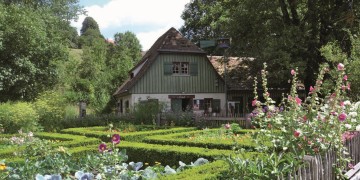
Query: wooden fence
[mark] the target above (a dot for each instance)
(319, 167)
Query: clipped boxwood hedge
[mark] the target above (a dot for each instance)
(68, 140)
(182, 140)
(211, 170)
(130, 136)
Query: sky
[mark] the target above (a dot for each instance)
(147, 19)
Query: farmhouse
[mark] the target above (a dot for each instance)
(177, 73)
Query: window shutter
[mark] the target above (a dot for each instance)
(168, 68)
(193, 69)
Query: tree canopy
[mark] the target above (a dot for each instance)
(285, 34)
(34, 36)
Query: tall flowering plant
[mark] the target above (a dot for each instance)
(306, 126)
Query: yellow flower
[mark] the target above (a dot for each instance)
(146, 164)
(2, 167)
(61, 149)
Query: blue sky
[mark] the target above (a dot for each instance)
(147, 19)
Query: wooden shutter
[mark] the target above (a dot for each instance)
(168, 68)
(193, 69)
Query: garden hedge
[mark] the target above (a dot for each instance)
(182, 139)
(211, 170)
(130, 136)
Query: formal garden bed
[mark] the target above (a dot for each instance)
(57, 145)
(307, 138)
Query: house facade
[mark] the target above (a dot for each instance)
(176, 73)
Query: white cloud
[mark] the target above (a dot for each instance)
(121, 13)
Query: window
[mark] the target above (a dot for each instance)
(180, 68)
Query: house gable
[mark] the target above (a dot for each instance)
(201, 76)
(174, 44)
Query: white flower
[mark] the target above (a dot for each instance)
(352, 114)
(358, 127)
(356, 106)
(347, 103)
(348, 126)
(271, 108)
(30, 134)
(353, 120)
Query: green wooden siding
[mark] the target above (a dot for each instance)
(159, 79)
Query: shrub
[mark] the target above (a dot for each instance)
(146, 112)
(16, 116)
(51, 109)
(179, 118)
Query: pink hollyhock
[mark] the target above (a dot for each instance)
(348, 86)
(342, 117)
(115, 139)
(297, 133)
(305, 118)
(102, 147)
(311, 89)
(254, 102)
(227, 126)
(345, 78)
(292, 72)
(343, 87)
(340, 67)
(342, 104)
(289, 98)
(298, 101)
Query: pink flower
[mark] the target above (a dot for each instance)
(342, 104)
(254, 102)
(348, 86)
(345, 78)
(102, 147)
(227, 126)
(342, 117)
(351, 166)
(289, 98)
(115, 139)
(340, 67)
(292, 72)
(298, 101)
(343, 87)
(304, 118)
(311, 89)
(297, 133)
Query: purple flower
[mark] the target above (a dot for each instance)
(115, 139)
(102, 147)
(281, 109)
(342, 117)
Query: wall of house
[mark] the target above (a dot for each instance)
(164, 98)
(155, 81)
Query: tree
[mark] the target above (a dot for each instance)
(285, 33)
(90, 32)
(29, 50)
(89, 23)
(33, 38)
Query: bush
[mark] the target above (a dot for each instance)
(51, 109)
(146, 112)
(16, 116)
(179, 118)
